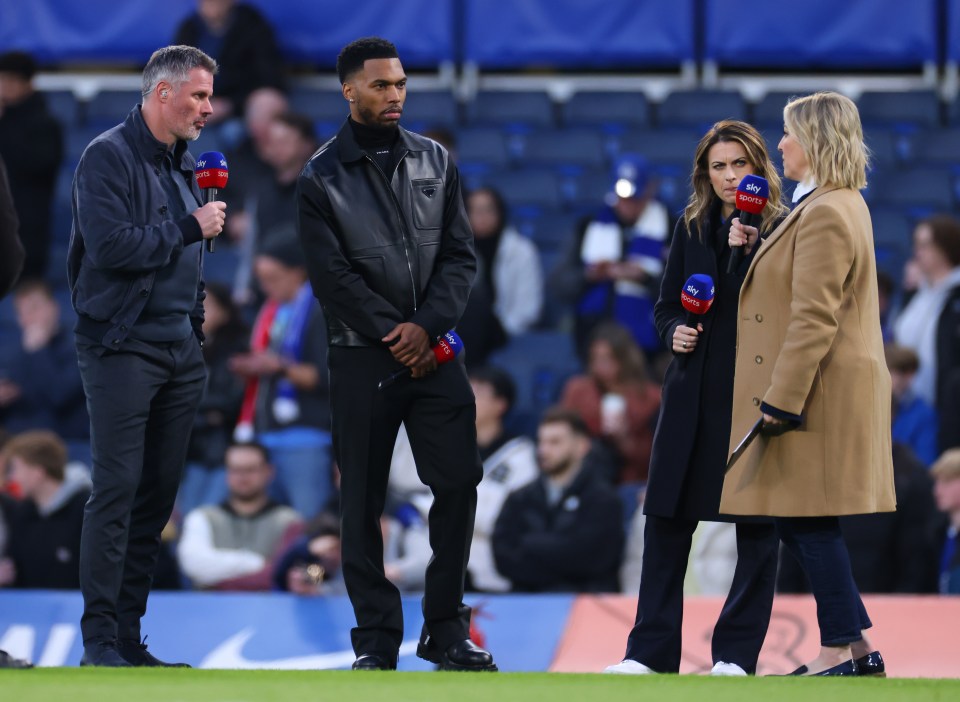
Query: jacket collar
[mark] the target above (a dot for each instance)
(151, 148)
(350, 150)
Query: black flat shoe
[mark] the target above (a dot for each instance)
(373, 661)
(463, 656)
(136, 654)
(103, 654)
(871, 665)
(848, 668)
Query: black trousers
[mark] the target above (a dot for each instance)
(738, 636)
(818, 545)
(142, 401)
(439, 412)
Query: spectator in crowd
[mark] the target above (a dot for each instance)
(946, 473)
(509, 462)
(44, 540)
(40, 386)
(508, 265)
(612, 271)
(243, 43)
(286, 403)
(914, 420)
(617, 401)
(31, 143)
(563, 532)
(890, 552)
(310, 564)
(887, 290)
(232, 546)
(930, 323)
(226, 335)
(406, 540)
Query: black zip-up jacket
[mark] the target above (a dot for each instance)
(123, 231)
(383, 249)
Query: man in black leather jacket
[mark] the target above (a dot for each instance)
(390, 255)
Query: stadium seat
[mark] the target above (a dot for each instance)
(320, 105)
(886, 146)
(550, 231)
(916, 189)
(512, 109)
(485, 145)
(570, 147)
(892, 239)
(539, 187)
(63, 105)
(919, 108)
(587, 189)
(699, 108)
(110, 107)
(768, 113)
(430, 108)
(661, 146)
(935, 147)
(608, 110)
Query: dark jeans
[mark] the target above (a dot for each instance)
(440, 415)
(142, 401)
(817, 544)
(738, 636)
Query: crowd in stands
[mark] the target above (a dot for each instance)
(565, 454)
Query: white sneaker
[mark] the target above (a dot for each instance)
(731, 669)
(628, 666)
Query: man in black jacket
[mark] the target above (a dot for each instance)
(134, 270)
(390, 255)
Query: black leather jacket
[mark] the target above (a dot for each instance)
(384, 250)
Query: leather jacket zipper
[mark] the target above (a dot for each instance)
(403, 227)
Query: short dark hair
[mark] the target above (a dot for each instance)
(354, 54)
(945, 232)
(901, 359)
(299, 123)
(563, 415)
(33, 285)
(252, 444)
(19, 63)
(503, 386)
(42, 448)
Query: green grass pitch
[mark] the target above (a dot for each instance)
(89, 685)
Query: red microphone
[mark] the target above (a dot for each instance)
(752, 195)
(212, 174)
(445, 350)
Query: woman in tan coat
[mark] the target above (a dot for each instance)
(810, 362)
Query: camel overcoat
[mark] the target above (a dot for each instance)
(809, 344)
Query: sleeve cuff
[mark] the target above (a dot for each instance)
(780, 414)
(429, 324)
(190, 230)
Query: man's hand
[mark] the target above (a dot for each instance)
(425, 365)
(211, 218)
(409, 345)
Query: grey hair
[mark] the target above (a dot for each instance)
(173, 65)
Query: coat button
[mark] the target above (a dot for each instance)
(163, 209)
(144, 292)
(123, 327)
(115, 342)
(756, 402)
(759, 317)
(759, 359)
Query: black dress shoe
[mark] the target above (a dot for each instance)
(8, 661)
(871, 665)
(373, 661)
(136, 654)
(848, 668)
(462, 655)
(103, 654)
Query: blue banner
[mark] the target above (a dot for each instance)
(275, 631)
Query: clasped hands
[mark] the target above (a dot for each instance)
(410, 345)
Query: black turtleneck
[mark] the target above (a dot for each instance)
(378, 144)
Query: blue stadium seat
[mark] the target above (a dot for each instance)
(485, 145)
(56, 273)
(606, 109)
(588, 189)
(768, 113)
(661, 146)
(918, 189)
(935, 147)
(63, 105)
(524, 109)
(61, 213)
(892, 239)
(700, 108)
(75, 141)
(430, 108)
(550, 231)
(540, 363)
(320, 105)
(919, 108)
(110, 107)
(558, 147)
(539, 187)
(886, 147)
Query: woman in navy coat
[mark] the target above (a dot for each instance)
(691, 440)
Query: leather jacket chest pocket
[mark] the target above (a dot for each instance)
(428, 203)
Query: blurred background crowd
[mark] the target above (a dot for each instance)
(575, 153)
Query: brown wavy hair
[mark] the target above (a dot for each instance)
(703, 197)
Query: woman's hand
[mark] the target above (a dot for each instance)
(685, 338)
(741, 235)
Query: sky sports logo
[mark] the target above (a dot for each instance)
(202, 162)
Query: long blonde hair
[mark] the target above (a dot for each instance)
(703, 196)
(827, 126)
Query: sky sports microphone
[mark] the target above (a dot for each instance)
(212, 176)
(696, 298)
(752, 195)
(448, 348)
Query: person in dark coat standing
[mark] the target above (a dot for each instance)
(31, 142)
(690, 443)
